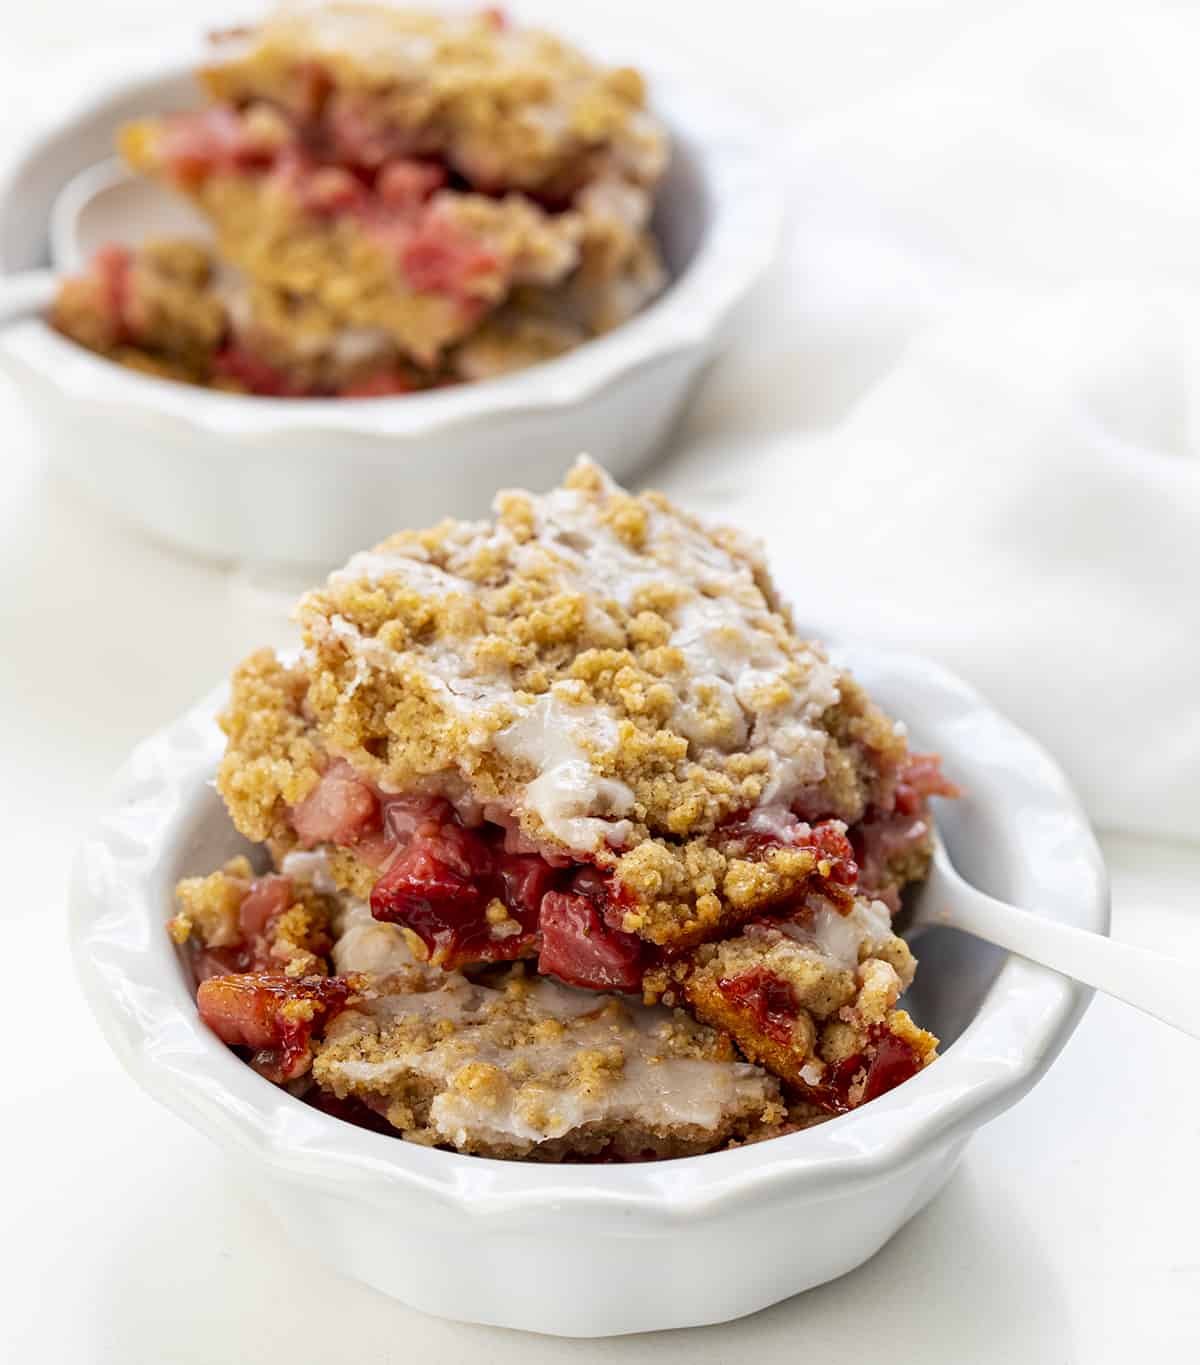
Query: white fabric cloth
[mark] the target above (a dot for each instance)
(973, 421)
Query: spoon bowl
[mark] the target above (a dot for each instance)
(106, 203)
(1150, 981)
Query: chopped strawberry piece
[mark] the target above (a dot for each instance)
(439, 257)
(894, 1061)
(340, 809)
(403, 183)
(580, 949)
(439, 887)
(830, 841)
(496, 16)
(458, 890)
(768, 999)
(275, 1016)
(921, 778)
(352, 133)
(887, 1062)
(526, 879)
(268, 896)
(237, 362)
(198, 144)
(332, 189)
(111, 266)
(422, 882)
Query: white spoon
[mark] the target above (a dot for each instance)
(102, 204)
(1150, 981)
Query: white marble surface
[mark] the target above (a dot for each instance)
(1067, 1236)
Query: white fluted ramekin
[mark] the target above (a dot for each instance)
(593, 1250)
(311, 480)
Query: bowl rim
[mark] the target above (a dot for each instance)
(133, 979)
(739, 161)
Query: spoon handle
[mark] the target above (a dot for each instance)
(1159, 985)
(25, 294)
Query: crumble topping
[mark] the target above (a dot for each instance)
(601, 668)
(506, 105)
(233, 921)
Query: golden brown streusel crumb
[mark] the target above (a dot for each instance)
(295, 933)
(272, 759)
(208, 906)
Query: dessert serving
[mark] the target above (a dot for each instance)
(576, 849)
(398, 200)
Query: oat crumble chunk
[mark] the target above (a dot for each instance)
(399, 200)
(587, 734)
(258, 947)
(812, 995)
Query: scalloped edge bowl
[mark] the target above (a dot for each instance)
(598, 1250)
(308, 481)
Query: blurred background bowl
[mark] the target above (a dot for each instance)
(308, 481)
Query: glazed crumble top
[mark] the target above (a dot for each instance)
(506, 106)
(594, 666)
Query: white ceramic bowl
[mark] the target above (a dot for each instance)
(591, 1250)
(310, 481)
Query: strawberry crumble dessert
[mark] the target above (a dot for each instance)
(578, 850)
(397, 199)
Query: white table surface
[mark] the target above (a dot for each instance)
(1068, 1234)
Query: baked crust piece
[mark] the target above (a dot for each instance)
(528, 1068)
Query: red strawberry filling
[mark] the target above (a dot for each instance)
(751, 838)
(440, 257)
(274, 1016)
(885, 838)
(210, 141)
(110, 268)
(339, 162)
(340, 809)
(769, 1000)
(246, 367)
(485, 894)
(581, 949)
(888, 1061)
